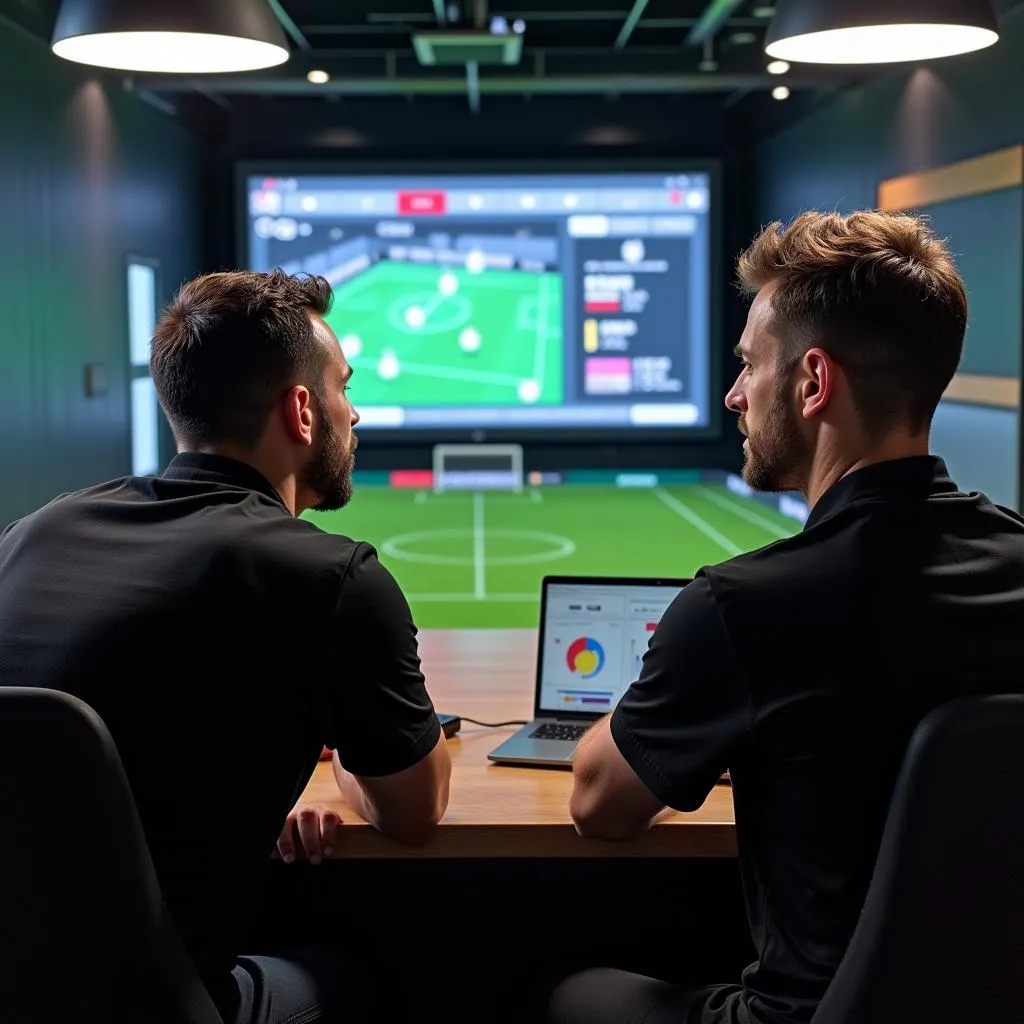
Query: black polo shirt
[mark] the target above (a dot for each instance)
(224, 643)
(803, 668)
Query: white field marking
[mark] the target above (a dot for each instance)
(446, 373)
(540, 343)
(395, 547)
(695, 520)
(432, 303)
(745, 513)
(493, 497)
(438, 598)
(479, 556)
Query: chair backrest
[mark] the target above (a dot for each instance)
(941, 936)
(84, 936)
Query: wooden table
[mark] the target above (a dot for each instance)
(505, 811)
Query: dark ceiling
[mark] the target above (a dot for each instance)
(572, 48)
(707, 52)
(590, 47)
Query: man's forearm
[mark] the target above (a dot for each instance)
(354, 794)
(588, 737)
(608, 799)
(364, 805)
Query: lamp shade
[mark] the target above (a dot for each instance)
(182, 36)
(878, 31)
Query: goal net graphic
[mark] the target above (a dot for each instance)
(478, 467)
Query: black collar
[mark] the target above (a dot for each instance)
(915, 478)
(222, 470)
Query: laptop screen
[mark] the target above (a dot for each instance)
(593, 640)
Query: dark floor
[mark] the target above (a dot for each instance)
(483, 941)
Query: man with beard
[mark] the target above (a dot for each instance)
(225, 642)
(804, 667)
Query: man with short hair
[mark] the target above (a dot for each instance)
(804, 667)
(225, 641)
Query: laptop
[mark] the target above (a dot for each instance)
(594, 631)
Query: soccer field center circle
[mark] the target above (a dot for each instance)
(557, 547)
(446, 312)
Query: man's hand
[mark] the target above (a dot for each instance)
(312, 829)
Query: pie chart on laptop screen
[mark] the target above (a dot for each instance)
(585, 657)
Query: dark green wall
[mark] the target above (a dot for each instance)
(912, 119)
(915, 119)
(88, 175)
(984, 233)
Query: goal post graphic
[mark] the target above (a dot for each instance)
(478, 467)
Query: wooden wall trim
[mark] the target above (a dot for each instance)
(978, 389)
(989, 173)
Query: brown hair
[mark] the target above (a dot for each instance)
(229, 344)
(878, 292)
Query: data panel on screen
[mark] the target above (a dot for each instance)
(506, 302)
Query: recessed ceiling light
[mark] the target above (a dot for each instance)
(855, 32)
(778, 67)
(780, 92)
(318, 77)
(168, 36)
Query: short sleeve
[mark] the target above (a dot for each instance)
(380, 717)
(8, 529)
(682, 721)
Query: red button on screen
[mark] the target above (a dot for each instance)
(421, 203)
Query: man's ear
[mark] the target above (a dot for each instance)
(817, 382)
(297, 414)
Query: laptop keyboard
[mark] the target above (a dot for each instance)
(558, 731)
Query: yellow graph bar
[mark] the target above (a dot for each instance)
(590, 336)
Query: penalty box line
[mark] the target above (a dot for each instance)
(479, 554)
(541, 334)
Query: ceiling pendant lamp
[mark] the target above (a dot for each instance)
(878, 31)
(177, 36)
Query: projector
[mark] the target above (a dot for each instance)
(495, 45)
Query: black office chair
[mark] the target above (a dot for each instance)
(941, 937)
(84, 937)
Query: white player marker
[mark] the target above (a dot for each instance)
(529, 391)
(388, 367)
(634, 250)
(415, 317)
(351, 346)
(469, 340)
(448, 285)
(476, 261)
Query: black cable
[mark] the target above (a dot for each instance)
(491, 725)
